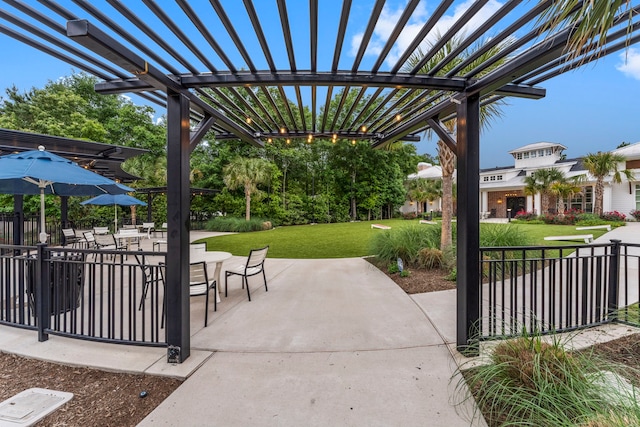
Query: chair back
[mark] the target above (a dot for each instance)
(128, 231)
(68, 232)
(198, 279)
(197, 248)
(106, 241)
(90, 238)
(101, 230)
(257, 257)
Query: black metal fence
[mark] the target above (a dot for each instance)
(54, 227)
(557, 289)
(110, 296)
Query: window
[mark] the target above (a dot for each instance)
(637, 196)
(492, 178)
(549, 152)
(485, 179)
(540, 153)
(526, 155)
(519, 156)
(533, 154)
(499, 177)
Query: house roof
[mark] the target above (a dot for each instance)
(631, 152)
(537, 146)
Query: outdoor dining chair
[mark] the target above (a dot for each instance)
(152, 276)
(149, 227)
(70, 237)
(253, 266)
(199, 284)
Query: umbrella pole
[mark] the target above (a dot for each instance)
(43, 232)
(115, 218)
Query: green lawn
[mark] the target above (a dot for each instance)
(345, 240)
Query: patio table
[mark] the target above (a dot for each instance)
(211, 257)
(128, 235)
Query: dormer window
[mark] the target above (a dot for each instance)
(519, 156)
(526, 155)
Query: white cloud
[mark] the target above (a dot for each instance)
(630, 64)
(389, 17)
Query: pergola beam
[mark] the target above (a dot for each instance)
(102, 44)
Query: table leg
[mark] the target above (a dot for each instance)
(216, 276)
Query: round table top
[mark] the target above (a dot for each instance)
(209, 256)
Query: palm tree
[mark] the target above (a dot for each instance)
(595, 18)
(543, 179)
(566, 188)
(600, 165)
(531, 188)
(247, 173)
(488, 112)
(448, 165)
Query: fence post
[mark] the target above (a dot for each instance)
(614, 280)
(42, 294)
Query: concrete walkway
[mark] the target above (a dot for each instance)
(333, 342)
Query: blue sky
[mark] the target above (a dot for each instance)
(594, 108)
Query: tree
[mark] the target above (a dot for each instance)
(488, 112)
(566, 188)
(448, 165)
(247, 173)
(543, 178)
(594, 19)
(600, 165)
(531, 189)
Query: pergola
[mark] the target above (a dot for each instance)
(255, 72)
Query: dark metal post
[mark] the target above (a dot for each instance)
(178, 316)
(18, 219)
(42, 293)
(468, 240)
(614, 280)
(64, 217)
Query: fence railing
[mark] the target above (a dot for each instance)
(110, 296)
(556, 289)
(54, 227)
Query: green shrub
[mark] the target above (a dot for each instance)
(587, 219)
(503, 235)
(405, 243)
(237, 225)
(393, 268)
(430, 258)
(527, 381)
(405, 273)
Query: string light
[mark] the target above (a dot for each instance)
(398, 117)
(288, 141)
(353, 142)
(283, 130)
(363, 128)
(269, 140)
(248, 120)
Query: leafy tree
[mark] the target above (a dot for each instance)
(246, 173)
(601, 165)
(531, 188)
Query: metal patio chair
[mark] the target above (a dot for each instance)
(253, 266)
(199, 284)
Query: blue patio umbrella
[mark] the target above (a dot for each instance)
(115, 200)
(41, 172)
